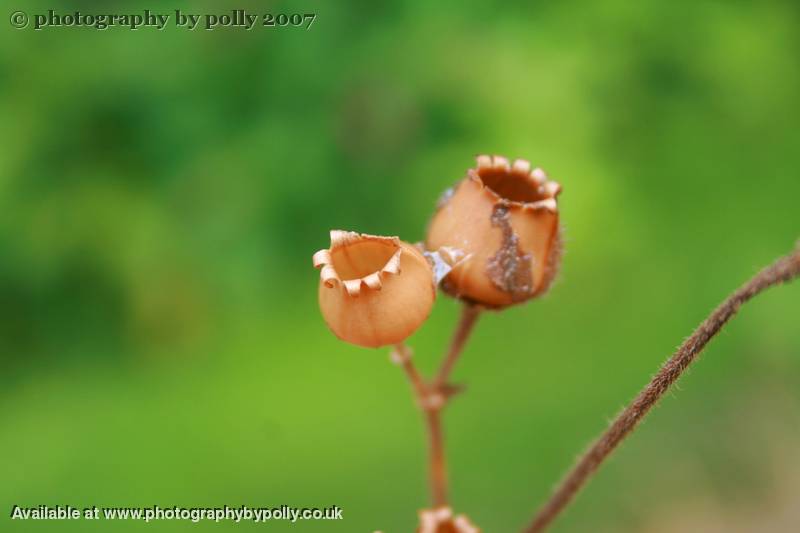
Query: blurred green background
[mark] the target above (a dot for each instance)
(162, 192)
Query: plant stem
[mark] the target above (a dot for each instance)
(437, 471)
(432, 397)
(430, 401)
(469, 316)
(781, 271)
(402, 356)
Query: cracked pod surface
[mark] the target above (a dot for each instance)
(373, 291)
(503, 220)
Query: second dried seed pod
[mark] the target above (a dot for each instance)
(502, 221)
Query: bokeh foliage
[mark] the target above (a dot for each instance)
(161, 194)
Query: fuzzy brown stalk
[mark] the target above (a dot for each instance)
(438, 467)
(469, 316)
(781, 271)
(432, 397)
(430, 402)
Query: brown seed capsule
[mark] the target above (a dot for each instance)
(503, 220)
(374, 291)
(441, 520)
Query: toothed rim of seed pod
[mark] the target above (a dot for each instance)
(431, 519)
(341, 239)
(520, 169)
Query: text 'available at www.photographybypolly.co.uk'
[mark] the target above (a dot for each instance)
(238, 514)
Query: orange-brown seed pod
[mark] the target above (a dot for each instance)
(373, 291)
(442, 520)
(503, 219)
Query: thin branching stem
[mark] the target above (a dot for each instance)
(402, 356)
(781, 271)
(432, 397)
(469, 316)
(437, 472)
(430, 403)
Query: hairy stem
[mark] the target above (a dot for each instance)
(781, 271)
(430, 401)
(432, 397)
(469, 316)
(401, 355)
(438, 468)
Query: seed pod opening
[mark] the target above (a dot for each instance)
(442, 520)
(374, 291)
(503, 218)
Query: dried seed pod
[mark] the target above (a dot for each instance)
(441, 520)
(503, 217)
(373, 291)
